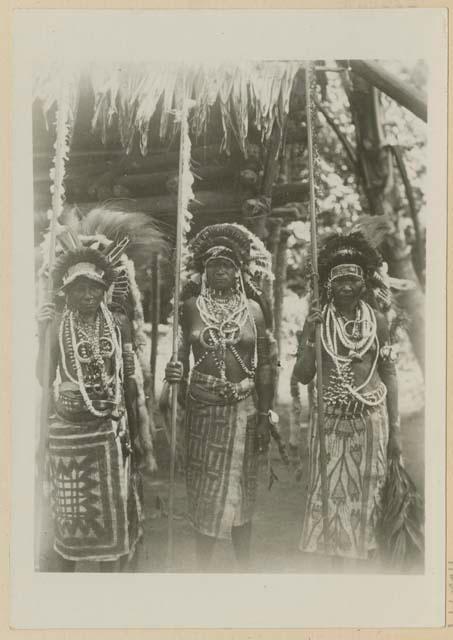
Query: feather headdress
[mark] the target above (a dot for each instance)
(125, 240)
(355, 248)
(245, 249)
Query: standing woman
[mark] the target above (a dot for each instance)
(225, 325)
(95, 499)
(360, 395)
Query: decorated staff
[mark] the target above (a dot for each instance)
(57, 174)
(309, 93)
(185, 195)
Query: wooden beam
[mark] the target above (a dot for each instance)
(206, 201)
(387, 82)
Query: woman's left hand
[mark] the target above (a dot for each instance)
(262, 433)
(394, 445)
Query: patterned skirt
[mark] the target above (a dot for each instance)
(221, 464)
(95, 496)
(356, 449)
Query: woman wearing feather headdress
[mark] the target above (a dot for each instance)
(97, 427)
(225, 324)
(360, 395)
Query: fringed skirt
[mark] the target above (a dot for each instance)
(95, 496)
(221, 465)
(356, 449)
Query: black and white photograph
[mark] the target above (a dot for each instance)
(231, 343)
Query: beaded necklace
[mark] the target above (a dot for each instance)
(85, 345)
(341, 390)
(224, 319)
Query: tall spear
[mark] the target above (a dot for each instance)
(182, 222)
(58, 171)
(309, 89)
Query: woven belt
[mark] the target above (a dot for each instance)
(71, 406)
(358, 410)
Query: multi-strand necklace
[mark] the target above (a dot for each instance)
(87, 346)
(358, 336)
(224, 318)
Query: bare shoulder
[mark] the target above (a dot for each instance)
(188, 307)
(188, 310)
(124, 325)
(382, 325)
(190, 303)
(120, 317)
(256, 311)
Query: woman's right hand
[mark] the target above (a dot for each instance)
(46, 314)
(174, 372)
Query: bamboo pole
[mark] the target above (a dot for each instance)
(419, 250)
(155, 316)
(314, 256)
(174, 357)
(387, 82)
(62, 116)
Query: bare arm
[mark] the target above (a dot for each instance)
(387, 371)
(265, 386)
(178, 371)
(305, 367)
(388, 375)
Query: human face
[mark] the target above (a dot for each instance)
(347, 290)
(220, 274)
(85, 295)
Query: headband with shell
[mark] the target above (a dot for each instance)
(354, 249)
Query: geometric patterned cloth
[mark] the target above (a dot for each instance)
(91, 491)
(221, 463)
(356, 452)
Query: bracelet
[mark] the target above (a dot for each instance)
(309, 343)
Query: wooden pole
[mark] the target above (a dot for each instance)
(280, 271)
(390, 84)
(175, 387)
(62, 117)
(318, 347)
(419, 250)
(155, 317)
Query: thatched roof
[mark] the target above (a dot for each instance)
(130, 95)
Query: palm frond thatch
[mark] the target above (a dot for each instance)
(132, 94)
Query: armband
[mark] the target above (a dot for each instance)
(264, 375)
(389, 353)
(128, 360)
(263, 349)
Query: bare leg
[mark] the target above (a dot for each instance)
(125, 564)
(108, 566)
(337, 563)
(241, 543)
(65, 565)
(204, 550)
